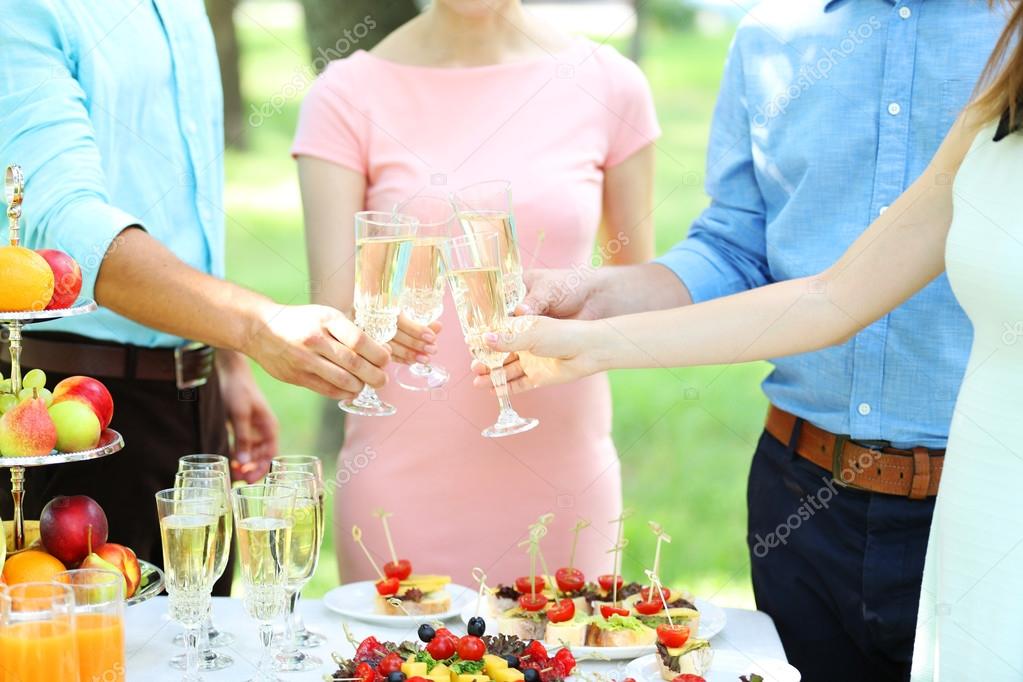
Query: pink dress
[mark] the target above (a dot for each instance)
(551, 126)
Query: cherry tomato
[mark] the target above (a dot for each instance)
(649, 608)
(606, 582)
(531, 602)
(370, 650)
(523, 584)
(608, 610)
(570, 579)
(401, 570)
(388, 587)
(470, 648)
(629, 679)
(562, 611)
(444, 633)
(391, 663)
(441, 648)
(672, 636)
(417, 678)
(365, 672)
(645, 594)
(689, 677)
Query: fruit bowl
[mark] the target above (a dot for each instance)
(151, 585)
(110, 441)
(31, 535)
(81, 307)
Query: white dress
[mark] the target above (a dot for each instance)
(971, 610)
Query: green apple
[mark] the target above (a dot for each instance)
(77, 426)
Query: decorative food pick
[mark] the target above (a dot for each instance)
(533, 601)
(570, 579)
(395, 568)
(539, 530)
(386, 586)
(661, 537)
(620, 544)
(481, 577)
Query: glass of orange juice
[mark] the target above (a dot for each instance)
(37, 633)
(99, 622)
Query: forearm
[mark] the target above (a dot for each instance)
(626, 289)
(143, 281)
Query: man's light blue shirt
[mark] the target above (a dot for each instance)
(114, 111)
(828, 111)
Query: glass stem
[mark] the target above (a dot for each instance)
(205, 649)
(297, 623)
(266, 635)
(191, 653)
(367, 397)
(499, 378)
(290, 647)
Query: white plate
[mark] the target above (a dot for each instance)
(727, 667)
(712, 621)
(358, 601)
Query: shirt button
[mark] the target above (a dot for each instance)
(882, 210)
(905, 12)
(863, 409)
(894, 109)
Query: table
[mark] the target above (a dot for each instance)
(149, 635)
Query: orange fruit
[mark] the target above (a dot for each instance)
(27, 278)
(31, 566)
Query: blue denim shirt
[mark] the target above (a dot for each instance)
(828, 111)
(114, 111)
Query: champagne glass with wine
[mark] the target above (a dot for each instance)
(473, 268)
(486, 208)
(422, 300)
(305, 554)
(383, 247)
(188, 529)
(216, 637)
(264, 518)
(217, 484)
(310, 464)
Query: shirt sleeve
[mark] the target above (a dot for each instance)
(725, 251)
(634, 117)
(330, 126)
(47, 131)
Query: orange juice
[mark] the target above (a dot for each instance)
(42, 651)
(100, 647)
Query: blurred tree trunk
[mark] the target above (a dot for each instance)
(336, 28)
(221, 13)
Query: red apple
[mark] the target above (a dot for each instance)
(125, 561)
(70, 527)
(89, 391)
(67, 278)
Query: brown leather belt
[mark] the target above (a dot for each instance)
(186, 366)
(912, 473)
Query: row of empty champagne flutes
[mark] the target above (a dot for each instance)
(279, 527)
(402, 258)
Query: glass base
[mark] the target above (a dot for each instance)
(210, 663)
(510, 427)
(420, 377)
(307, 639)
(218, 639)
(377, 409)
(297, 662)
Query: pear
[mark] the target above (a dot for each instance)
(26, 430)
(95, 561)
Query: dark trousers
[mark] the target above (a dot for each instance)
(159, 424)
(838, 570)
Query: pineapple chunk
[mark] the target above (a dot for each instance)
(508, 675)
(414, 669)
(472, 678)
(492, 663)
(426, 583)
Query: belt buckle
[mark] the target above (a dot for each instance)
(836, 461)
(179, 369)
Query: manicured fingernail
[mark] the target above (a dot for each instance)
(431, 348)
(429, 337)
(422, 358)
(491, 338)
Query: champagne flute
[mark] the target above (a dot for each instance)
(305, 554)
(217, 638)
(486, 208)
(216, 483)
(422, 300)
(188, 528)
(305, 638)
(383, 246)
(474, 275)
(264, 515)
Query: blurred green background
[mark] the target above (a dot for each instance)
(685, 436)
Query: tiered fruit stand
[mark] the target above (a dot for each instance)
(110, 441)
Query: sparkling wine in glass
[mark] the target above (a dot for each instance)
(474, 275)
(422, 300)
(486, 208)
(303, 637)
(383, 246)
(305, 555)
(211, 637)
(188, 528)
(264, 518)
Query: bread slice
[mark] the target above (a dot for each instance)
(522, 627)
(694, 659)
(599, 636)
(570, 633)
(431, 604)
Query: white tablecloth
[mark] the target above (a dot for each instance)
(149, 635)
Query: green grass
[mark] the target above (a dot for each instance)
(685, 436)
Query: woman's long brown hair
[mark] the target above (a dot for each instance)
(1001, 83)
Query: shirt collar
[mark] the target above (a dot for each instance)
(829, 3)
